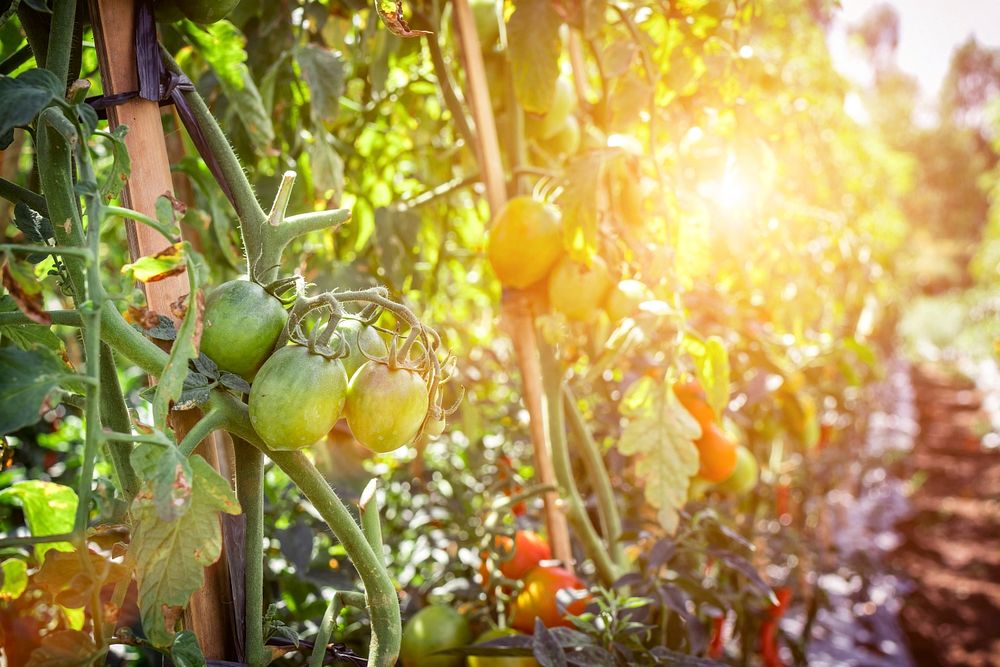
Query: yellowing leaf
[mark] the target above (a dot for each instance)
(164, 264)
(534, 48)
(49, 509)
(660, 435)
(65, 648)
(15, 578)
(712, 368)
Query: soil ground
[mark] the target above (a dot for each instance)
(951, 542)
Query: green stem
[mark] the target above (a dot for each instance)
(27, 249)
(36, 29)
(607, 507)
(370, 524)
(552, 382)
(70, 318)
(383, 604)
(204, 427)
(318, 654)
(171, 235)
(114, 416)
(250, 492)
(31, 540)
(13, 192)
(61, 38)
(131, 344)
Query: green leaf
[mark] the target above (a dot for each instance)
(121, 166)
(26, 379)
(185, 651)
(36, 229)
(65, 648)
(533, 48)
(26, 336)
(22, 98)
(170, 556)
(711, 363)
(579, 204)
(15, 578)
(323, 71)
(49, 509)
(184, 349)
(169, 473)
(660, 435)
(327, 169)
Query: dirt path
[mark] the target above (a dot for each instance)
(951, 543)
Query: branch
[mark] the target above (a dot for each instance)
(13, 192)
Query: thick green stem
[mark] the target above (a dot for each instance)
(210, 422)
(36, 29)
(131, 344)
(60, 46)
(552, 381)
(370, 523)
(607, 508)
(13, 192)
(70, 318)
(250, 491)
(383, 605)
(114, 416)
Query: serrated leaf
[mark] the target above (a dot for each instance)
(192, 397)
(660, 435)
(63, 576)
(579, 205)
(185, 651)
(150, 269)
(23, 98)
(234, 382)
(65, 648)
(49, 509)
(165, 330)
(15, 579)
(533, 49)
(27, 377)
(327, 169)
(170, 556)
(205, 367)
(712, 368)
(169, 474)
(323, 71)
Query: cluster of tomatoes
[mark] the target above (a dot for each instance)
(547, 593)
(724, 465)
(297, 391)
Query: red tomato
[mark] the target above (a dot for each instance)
(529, 549)
(538, 599)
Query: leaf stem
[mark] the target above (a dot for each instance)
(318, 655)
(14, 193)
(250, 493)
(210, 422)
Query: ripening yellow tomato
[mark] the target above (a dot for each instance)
(525, 241)
(578, 291)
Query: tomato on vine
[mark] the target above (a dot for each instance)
(540, 599)
(385, 405)
(296, 398)
(744, 476)
(522, 553)
(434, 628)
(716, 453)
(364, 342)
(499, 661)
(578, 291)
(692, 396)
(240, 326)
(525, 241)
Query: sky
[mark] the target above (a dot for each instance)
(929, 32)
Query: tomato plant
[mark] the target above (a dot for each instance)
(525, 241)
(548, 596)
(385, 405)
(577, 290)
(241, 326)
(431, 629)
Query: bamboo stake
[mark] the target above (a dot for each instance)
(114, 30)
(516, 306)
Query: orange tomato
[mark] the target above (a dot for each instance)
(692, 397)
(717, 453)
(525, 241)
(528, 549)
(578, 291)
(538, 599)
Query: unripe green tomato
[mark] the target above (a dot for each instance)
(744, 477)
(526, 240)
(240, 326)
(199, 11)
(578, 291)
(500, 661)
(434, 628)
(625, 297)
(360, 336)
(385, 406)
(296, 398)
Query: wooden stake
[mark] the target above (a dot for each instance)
(114, 30)
(516, 307)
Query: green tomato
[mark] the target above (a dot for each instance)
(199, 11)
(360, 336)
(240, 326)
(500, 661)
(431, 629)
(296, 398)
(744, 477)
(385, 406)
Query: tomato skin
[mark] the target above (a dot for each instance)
(360, 336)
(525, 241)
(717, 454)
(528, 549)
(498, 661)
(744, 477)
(240, 326)
(693, 398)
(538, 599)
(434, 628)
(385, 406)
(296, 398)
(625, 297)
(578, 291)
